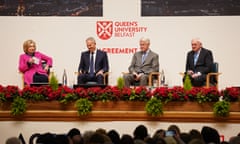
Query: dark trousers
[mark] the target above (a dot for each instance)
(84, 78)
(39, 78)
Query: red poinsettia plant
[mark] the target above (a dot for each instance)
(170, 94)
(201, 95)
(231, 94)
(113, 93)
(9, 93)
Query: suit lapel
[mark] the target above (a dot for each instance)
(97, 57)
(88, 59)
(192, 58)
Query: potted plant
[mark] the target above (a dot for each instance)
(154, 107)
(18, 106)
(84, 106)
(187, 85)
(221, 108)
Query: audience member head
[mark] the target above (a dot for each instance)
(114, 136)
(149, 140)
(139, 141)
(97, 138)
(75, 136)
(140, 132)
(234, 140)
(195, 134)
(159, 133)
(29, 46)
(160, 141)
(210, 135)
(102, 131)
(158, 138)
(186, 137)
(13, 140)
(61, 139)
(174, 128)
(46, 138)
(196, 141)
(170, 140)
(86, 136)
(126, 139)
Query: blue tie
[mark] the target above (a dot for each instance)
(144, 57)
(195, 58)
(91, 71)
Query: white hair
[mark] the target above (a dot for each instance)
(147, 40)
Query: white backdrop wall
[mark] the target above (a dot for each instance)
(63, 38)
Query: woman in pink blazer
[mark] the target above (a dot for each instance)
(31, 64)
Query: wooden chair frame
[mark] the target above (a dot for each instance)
(150, 78)
(208, 83)
(105, 76)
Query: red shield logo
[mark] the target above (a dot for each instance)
(104, 29)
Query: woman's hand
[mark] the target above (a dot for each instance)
(46, 68)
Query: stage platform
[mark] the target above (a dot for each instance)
(121, 111)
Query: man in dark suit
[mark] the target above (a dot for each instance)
(93, 64)
(143, 63)
(198, 64)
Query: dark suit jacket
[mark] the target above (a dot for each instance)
(204, 62)
(101, 62)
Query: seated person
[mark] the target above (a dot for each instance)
(143, 63)
(93, 64)
(30, 64)
(198, 63)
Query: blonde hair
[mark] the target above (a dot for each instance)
(27, 44)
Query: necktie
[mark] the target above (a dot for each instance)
(195, 58)
(91, 69)
(143, 57)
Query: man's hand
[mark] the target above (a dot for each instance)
(138, 76)
(190, 72)
(99, 73)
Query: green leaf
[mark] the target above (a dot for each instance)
(120, 83)
(53, 81)
(187, 83)
(221, 108)
(84, 106)
(19, 106)
(154, 107)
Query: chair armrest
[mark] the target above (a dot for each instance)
(105, 76)
(150, 78)
(77, 73)
(22, 77)
(125, 73)
(182, 74)
(208, 78)
(210, 74)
